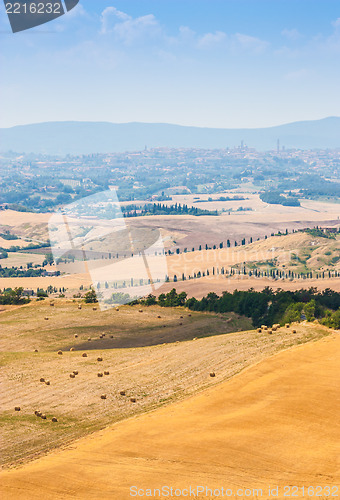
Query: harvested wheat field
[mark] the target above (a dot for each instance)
(274, 424)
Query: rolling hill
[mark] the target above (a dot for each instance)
(103, 137)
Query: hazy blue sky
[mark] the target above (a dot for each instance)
(219, 63)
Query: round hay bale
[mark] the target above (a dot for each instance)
(72, 349)
(100, 336)
(75, 372)
(140, 310)
(47, 382)
(94, 308)
(54, 419)
(106, 372)
(46, 318)
(89, 339)
(293, 331)
(265, 328)
(122, 393)
(133, 400)
(84, 355)
(287, 325)
(35, 350)
(99, 374)
(212, 374)
(37, 413)
(117, 308)
(43, 416)
(103, 396)
(181, 317)
(60, 353)
(76, 336)
(103, 334)
(180, 324)
(72, 375)
(42, 379)
(189, 315)
(111, 336)
(164, 326)
(51, 304)
(79, 306)
(270, 331)
(159, 316)
(17, 408)
(99, 358)
(274, 328)
(259, 330)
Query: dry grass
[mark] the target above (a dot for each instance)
(152, 375)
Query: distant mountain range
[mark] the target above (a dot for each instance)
(62, 138)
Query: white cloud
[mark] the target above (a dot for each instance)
(211, 39)
(292, 34)
(127, 28)
(248, 43)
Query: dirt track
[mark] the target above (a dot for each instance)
(274, 424)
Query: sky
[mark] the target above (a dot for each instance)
(207, 63)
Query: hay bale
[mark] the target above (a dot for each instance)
(51, 304)
(17, 408)
(99, 358)
(274, 328)
(140, 310)
(47, 382)
(43, 416)
(181, 317)
(94, 308)
(159, 316)
(212, 374)
(54, 419)
(79, 306)
(89, 339)
(42, 379)
(259, 330)
(287, 325)
(189, 315)
(133, 400)
(37, 413)
(76, 336)
(72, 349)
(46, 318)
(35, 350)
(99, 374)
(195, 338)
(293, 331)
(75, 372)
(100, 336)
(103, 334)
(106, 372)
(84, 355)
(117, 308)
(122, 393)
(72, 375)
(270, 331)
(180, 324)
(111, 336)
(60, 353)
(103, 396)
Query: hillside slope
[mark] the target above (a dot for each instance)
(274, 424)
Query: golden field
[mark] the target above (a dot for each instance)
(275, 423)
